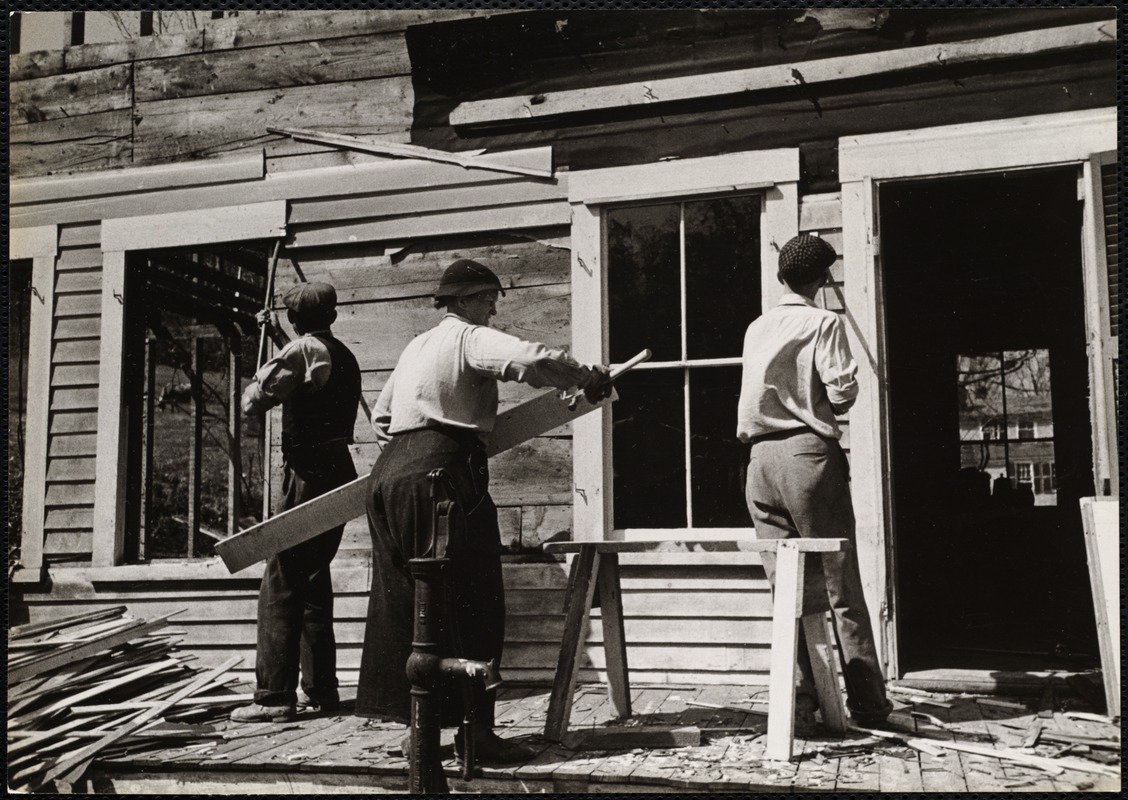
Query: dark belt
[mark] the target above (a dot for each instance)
(466, 437)
(787, 434)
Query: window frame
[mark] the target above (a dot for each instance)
(120, 237)
(774, 174)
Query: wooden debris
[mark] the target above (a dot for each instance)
(737, 709)
(1054, 766)
(129, 665)
(1032, 733)
(631, 738)
(990, 701)
(1088, 717)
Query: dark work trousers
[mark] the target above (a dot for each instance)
(798, 485)
(295, 607)
(399, 521)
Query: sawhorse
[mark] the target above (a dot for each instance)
(596, 565)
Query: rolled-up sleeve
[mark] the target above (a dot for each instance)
(382, 412)
(835, 364)
(507, 358)
(304, 363)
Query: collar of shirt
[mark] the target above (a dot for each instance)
(326, 331)
(793, 299)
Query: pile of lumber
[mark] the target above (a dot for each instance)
(92, 685)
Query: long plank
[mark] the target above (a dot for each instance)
(82, 651)
(1012, 45)
(513, 427)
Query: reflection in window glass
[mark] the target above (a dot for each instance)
(1006, 424)
(684, 281)
(644, 282)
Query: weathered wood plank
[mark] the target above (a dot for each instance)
(75, 351)
(71, 95)
(74, 399)
(80, 233)
(486, 194)
(64, 494)
(164, 45)
(495, 218)
(35, 64)
(92, 141)
(695, 630)
(653, 657)
(74, 281)
(199, 125)
(78, 305)
(68, 545)
(301, 26)
(312, 62)
(70, 469)
(69, 519)
(77, 328)
(72, 444)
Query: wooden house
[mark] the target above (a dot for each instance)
(631, 177)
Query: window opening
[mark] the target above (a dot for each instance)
(1006, 425)
(683, 280)
(195, 464)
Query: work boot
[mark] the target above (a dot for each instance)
(805, 722)
(872, 719)
(259, 713)
(489, 748)
(328, 704)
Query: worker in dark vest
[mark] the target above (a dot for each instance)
(437, 411)
(316, 379)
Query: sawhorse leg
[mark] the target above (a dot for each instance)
(787, 611)
(589, 568)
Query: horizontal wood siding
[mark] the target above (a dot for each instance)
(72, 411)
(719, 616)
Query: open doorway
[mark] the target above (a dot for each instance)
(989, 426)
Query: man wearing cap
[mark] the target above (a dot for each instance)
(798, 373)
(437, 411)
(316, 379)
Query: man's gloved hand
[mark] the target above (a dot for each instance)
(596, 384)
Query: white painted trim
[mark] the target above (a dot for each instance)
(1102, 346)
(33, 242)
(110, 461)
(204, 226)
(753, 169)
(790, 74)
(977, 146)
(37, 422)
(864, 161)
(56, 188)
(775, 172)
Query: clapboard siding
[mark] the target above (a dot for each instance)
(72, 95)
(82, 143)
(722, 624)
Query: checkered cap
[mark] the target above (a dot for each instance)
(465, 277)
(804, 258)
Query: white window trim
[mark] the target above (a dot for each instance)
(40, 245)
(864, 161)
(775, 173)
(120, 236)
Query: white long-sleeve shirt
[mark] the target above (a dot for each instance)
(449, 375)
(797, 363)
(303, 364)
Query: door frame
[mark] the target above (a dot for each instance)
(865, 162)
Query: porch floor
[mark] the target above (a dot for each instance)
(344, 754)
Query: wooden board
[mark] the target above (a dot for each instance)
(1102, 546)
(336, 507)
(71, 95)
(91, 141)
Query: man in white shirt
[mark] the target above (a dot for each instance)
(437, 410)
(798, 373)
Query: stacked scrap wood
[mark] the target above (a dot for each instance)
(87, 686)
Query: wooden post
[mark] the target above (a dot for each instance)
(614, 634)
(786, 608)
(147, 452)
(234, 432)
(820, 646)
(577, 606)
(195, 456)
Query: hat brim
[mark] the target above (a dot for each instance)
(467, 289)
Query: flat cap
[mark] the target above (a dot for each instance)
(805, 257)
(311, 298)
(465, 277)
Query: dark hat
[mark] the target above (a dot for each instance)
(311, 298)
(465, 277)
(805, 258)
